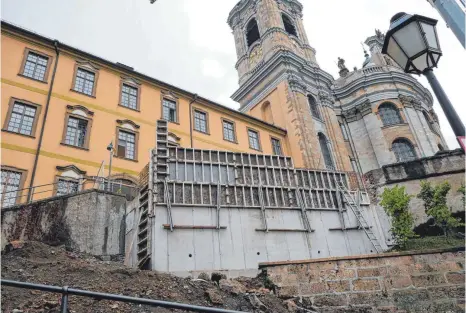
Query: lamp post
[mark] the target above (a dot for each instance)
(110, 149)
(412, 42)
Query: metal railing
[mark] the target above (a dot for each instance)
(26, 195)
(66, 291)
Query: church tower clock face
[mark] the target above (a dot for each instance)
(255, 56)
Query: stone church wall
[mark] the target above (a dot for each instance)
(448, 166)
(429, 281)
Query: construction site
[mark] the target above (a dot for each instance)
(207, 210)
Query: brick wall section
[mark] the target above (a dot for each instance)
(431, 281)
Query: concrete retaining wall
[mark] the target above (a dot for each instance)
(392, 282)
(241, 244)
(224, 211)
(91, 221)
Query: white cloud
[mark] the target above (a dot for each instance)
(212, 68)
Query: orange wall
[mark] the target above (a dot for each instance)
(18, 151)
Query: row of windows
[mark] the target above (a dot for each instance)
(22, 119)
(23, 116)
(169, 111)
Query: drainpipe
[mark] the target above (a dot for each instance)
(41, 135)
(191, 118)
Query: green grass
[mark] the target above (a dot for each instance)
(426, 243)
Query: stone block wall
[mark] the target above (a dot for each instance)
(431, 281)
(447, 166)
(91, 221)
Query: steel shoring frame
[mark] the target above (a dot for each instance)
(261, 201)
(219, 198)
(168, 202)
(300, 200)
(66, 291)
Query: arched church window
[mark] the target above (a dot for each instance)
(404, 150)
(267, 113)
(389, 114)
(324, 147)
(289, 26)
(313, 106)
(252, 32)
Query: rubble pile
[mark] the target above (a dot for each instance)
(37, 262)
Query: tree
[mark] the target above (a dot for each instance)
(463, 191)
(435, 205)
(395, 202)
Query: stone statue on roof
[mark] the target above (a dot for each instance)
(341, 64)
(379, 34)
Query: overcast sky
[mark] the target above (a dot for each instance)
(188, 43)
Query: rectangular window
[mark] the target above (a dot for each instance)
(126, 145)
(344, 131)
(200, 121)
(253, 139)
(10, 183)
(84, 82)
(129, 96)
(276, 147)
(66, 186)
(35, 66)
(22, 119)
(169, 110)
(229, 131)
(76, 132)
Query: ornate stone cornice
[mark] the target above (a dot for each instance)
(292, 62)
(326, 98)
(357, 112)
(71, 168)
(296, 83)
(121, 122)
(409, 101)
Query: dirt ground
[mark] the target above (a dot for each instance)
(39, 263)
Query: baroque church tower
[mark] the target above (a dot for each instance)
(281, 82)
(363, 120)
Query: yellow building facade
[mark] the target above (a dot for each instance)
(63, 107)
(65, 128)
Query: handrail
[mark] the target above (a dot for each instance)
(65, 291)
(20, 192)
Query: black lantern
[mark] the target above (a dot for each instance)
(412, 42)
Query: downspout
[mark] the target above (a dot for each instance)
(41, 135)
(191, 118)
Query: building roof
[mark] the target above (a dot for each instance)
(130, 71)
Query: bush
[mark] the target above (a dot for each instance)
(395, 202)
(435, 205)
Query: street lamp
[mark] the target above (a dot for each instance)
(110, 149)
(412, 42)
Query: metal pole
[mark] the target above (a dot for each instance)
(64, 300)
(447, 107)
(110, 169)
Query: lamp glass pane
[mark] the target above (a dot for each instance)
(430, 35)
(394, 51)
(421, 62)
(410, 39)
